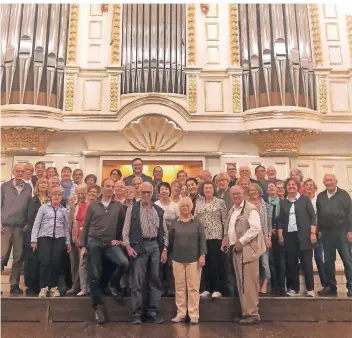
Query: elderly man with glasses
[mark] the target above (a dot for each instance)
(145, 236)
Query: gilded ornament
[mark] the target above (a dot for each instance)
(114, 92)
(104, 8)
(323, 94)
(236, 94)
(192, 94)
(69, 93)
(349, 33)
(25, 141)
(115, 37)
(72, 36)
(234, 40)
(279, 142)
(317, 46)
(204, 8)
(191, 35)
(153, 133)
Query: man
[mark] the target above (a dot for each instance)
(246, 172)
(232, 172)
(245, 239)
(271, 174)
(260, 173)
(39, 172)
(207, 175)
(115, 175)
(137, 167)
(15, 198)
(334, 211)
(192, 187)
(101, 237)
(145, 235)
(28, 173)
(157, 179)
(77, 177)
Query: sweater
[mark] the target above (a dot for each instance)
(336, 212)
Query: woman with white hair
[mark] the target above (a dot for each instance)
(50, 236)
(188, 247)
(297, 175)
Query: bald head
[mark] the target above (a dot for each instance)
(237, 194)
(245, 171)
(330, 182)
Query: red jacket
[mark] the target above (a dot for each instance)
(81, 214)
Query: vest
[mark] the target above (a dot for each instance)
(256, 247)
(136, 239)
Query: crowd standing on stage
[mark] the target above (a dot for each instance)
(194, 237)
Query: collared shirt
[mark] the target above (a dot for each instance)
(252, 232)
(30, 183)
(19, 187)
(314, 202)
(331, 194)
(149, 224)
(292, 222)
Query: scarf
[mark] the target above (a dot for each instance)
(67, 188)
(274, 203)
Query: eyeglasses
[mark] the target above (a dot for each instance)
(146, 192)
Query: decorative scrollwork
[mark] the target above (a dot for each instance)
(69, 92)
(72, 37)
(236, 94)
(323, 95)
(349, 33)
(234, 42)
(116, 24)
(191, 35)
(114, 92)
(317, 49)
(192, 94)
(204, 8)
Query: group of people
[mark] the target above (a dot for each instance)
(197, 237)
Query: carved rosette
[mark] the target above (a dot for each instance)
(25, 141)
(114, 92)
(116, 25)
(69, 91)
(204, 8)
(234, 43)
(349, 33)
(323, 95)
(280, 142)
(314, 20)
(236, 94)
(72, 36)
(192, 93)
(191, 35)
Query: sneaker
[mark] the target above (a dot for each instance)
(43, 292)
(194, 321)
(310, 293)
(249, 320)
(54, 292)
(83, 292)
(178, 319)
(136, 319)
(205, 294)
(293, 293)
(15, 290)
(238, 319)
(99, 314)
(155, 319)
(216, 294)
(71, 292)
(327, 291)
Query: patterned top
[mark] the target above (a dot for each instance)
(265, 217)
(213, 216)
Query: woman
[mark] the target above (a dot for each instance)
(188, 248)
(297, 233)
(310, 188)
(175, 191)
(90, 180)
(129, 191)
(115, 175)
(50, 236)
(222, 183)
(280, 186)
(136, 182)
(170, 213)
(182, 177)
(276, 253)
(255, 192)
(297, 175)
(244, 183)
(212, 213)
(92, 194)
(50, 172)
(31, 263)
(119, 191)
(66, 182)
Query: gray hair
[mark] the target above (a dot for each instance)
(81, 187)
(60, 189)
(147, 184)
(185, 199)
(298, 171)
(137, 178)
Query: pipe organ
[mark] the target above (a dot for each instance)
(276, 55)
(33, 53)
(153, 48)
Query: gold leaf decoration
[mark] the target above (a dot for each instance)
(114, 92)
(72, 36)
(349, 33)
(192, 93)
(69, 92)
(204, 8)
(234, 40)
(116, 24)
(317, 49)
(236, 94)
(323, 94)
(191, 35)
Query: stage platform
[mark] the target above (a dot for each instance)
(275, 309)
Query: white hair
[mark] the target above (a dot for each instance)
(184, 199)
(147, 184)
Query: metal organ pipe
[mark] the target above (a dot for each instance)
(5, 19)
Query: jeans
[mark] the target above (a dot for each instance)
(166, 277)
(83, 273)
(336, 239)
(231, 285)
(319, 261)
(31, 269)
(96, 251)
(149, 259)
(277, 265)
(264, 271)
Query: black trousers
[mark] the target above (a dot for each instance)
(277, 265)
(50, 252)
(31, 269)
(213, 271)
(294, 256)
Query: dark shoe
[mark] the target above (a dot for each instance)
(249, 321)
(15, 290)
(99, 314)
(263, 294)
(155, 319)
(136, 319)
(30, 292)
(328, 291)
(282, 293)
(238, 319)
(349, 293)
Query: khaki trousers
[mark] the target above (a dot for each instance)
(247, 284)
(13, 236)
(187, 275)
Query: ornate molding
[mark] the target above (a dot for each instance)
(69, 91)
(25, 140)
(234, 43)
(116, 25)
(104, 8)
(349, 33)
(204, 8)
(192, 94)
(191, 35)
(280, 142)
(236, 94)
(114, 92)
(153, 133)
(315, 23)
(323, 95)
(72, 36)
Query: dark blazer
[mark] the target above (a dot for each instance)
(128, 180)
(34, 179)
(305, 217)
(33, 208)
